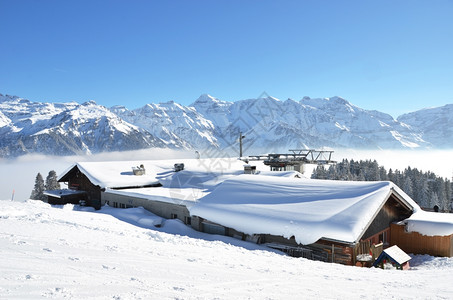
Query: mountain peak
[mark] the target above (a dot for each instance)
(206, 98)
(206, 101)
(338, 100)
(271, 98)
(89, 103)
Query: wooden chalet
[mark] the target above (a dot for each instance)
(377, 232)
(368, 219)
(83, 189)
(344, 222)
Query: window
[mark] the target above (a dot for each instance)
(188, 220)
(213, 228)
(383, 238)
(173, 216)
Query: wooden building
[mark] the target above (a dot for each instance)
(417, 243)
(377, 232)
(124, 185)
(324, 220)
(332, 221)
(82, 187)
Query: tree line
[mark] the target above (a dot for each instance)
(50, 184)
(425, 188)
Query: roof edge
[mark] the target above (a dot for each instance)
(400, 199)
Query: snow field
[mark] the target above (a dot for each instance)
(63, 252)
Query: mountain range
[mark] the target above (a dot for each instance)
(214, 126)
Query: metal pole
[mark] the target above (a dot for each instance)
(240, 144)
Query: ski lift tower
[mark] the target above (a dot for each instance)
(295, 160)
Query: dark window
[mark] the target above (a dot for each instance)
(213, 229)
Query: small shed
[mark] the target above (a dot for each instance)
(394, 255)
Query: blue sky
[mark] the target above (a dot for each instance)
(392, 56)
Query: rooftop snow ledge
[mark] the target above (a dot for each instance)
(430, 223)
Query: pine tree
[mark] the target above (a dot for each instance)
(38, 191)
(407, 186)
(443, 202)
(52, 182)
(383, 174)
(422, 197)
(434, 200)
(448, 193)
(391, 176)
(319, 173)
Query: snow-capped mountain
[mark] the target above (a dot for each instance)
(278, 125)
(176, 125)
(434, 124)
(268, 124)
(65, 129)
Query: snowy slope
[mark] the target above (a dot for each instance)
(56, 252)
(434, 124)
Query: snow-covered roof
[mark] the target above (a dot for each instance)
(307, 209)
(181, 196)
(119, 174)
(115, 174)
(194, 182)
(270, 202)
(430, 223)
(397, 254)
(62, 193)
(200, 173)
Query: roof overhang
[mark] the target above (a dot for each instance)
(399, 198)
(63, 193)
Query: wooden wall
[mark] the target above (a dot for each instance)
(78, 181)
(391, 212)
(414, 242)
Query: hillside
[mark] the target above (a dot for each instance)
(63, 252)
